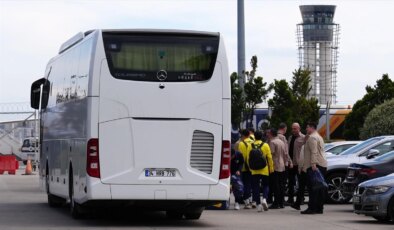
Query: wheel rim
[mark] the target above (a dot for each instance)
(335, 189)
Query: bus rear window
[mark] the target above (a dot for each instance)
(160, 57)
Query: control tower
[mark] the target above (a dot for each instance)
(317, 39)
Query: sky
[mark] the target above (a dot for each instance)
(31, 32)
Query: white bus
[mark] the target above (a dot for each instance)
(136, 117)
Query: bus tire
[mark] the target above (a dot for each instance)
(174, 215)
(75, 208)
(194, 214)
(53, 201)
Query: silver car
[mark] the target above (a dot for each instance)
(376, 198)
(337, 165)
(336, 148)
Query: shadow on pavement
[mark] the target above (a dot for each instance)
(40, 215)
(369, 221)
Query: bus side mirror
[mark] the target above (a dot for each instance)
(36, 92)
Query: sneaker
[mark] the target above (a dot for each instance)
(254, 205)
(248, 205)
(289, 203)
(319, 212)
(296, 206)
(308, 212)
(265, 205)
(259, 208)
(236, 206)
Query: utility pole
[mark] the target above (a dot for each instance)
(241, 43)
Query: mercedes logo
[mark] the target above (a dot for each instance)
(161, 75)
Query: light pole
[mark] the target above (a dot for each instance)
(241, 43)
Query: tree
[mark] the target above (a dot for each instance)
(382, 91)
(291, 103)
(237, 101)
(305, 108)
(255, 89)
(281, 103)
(300, 83)
(380, 121)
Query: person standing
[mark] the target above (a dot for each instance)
(301, 178)
(251, 134)
(314, 160)
(237, 162)
(296, 141)
(280, 157)
(244, 148)
(282, 130)
(261, 176)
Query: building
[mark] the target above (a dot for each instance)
(318, 40)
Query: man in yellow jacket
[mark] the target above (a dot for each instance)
(244, 147)
(261, 176)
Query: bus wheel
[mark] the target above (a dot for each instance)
(194, 214)
(53, 201)
(174, 215)
(75, 208)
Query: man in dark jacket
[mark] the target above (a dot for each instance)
(237, 162)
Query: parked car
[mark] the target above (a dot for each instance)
(336, 148)
(337, 165)
(358, 173)
(376, 198)
(29, 149)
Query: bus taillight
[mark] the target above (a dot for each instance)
(93, 164)
(226, 160)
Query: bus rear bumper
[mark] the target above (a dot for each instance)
(100, 191)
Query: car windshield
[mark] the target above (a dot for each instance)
(361, 146)
(328, 146)
(385, 157)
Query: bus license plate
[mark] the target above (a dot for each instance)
(159, 172)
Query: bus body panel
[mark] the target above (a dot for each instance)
(66, 122)
(191, 100)
(128, 147)
(148, 139)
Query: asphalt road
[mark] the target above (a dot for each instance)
(23, 206)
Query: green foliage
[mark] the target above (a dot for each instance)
(382, 91)
(291, 103)
(281, 103)
(300, 83)
(305, 109)
(380, 121)
(237, 100)
(255, 89)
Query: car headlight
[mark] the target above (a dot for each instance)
(378, 189)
